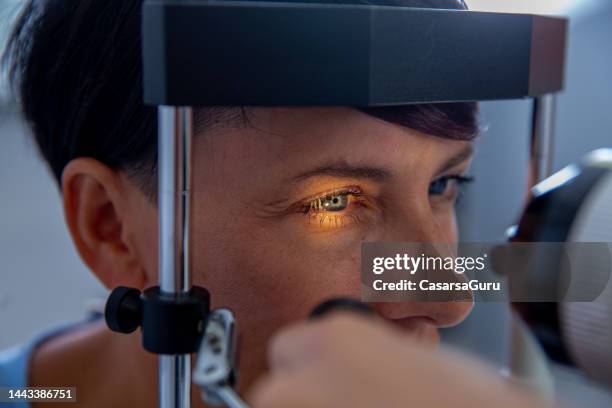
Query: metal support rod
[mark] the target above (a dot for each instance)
(542, 137)
(174, 168)
(527, 364)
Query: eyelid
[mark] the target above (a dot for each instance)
(462, 159)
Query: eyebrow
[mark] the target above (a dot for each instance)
(379, 174)
(344, 170)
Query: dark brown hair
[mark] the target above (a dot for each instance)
(76, 70)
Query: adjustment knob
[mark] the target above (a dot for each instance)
(123, 311)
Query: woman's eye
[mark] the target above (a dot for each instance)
(335, 202)
(439, 186)
(442, 185)
(336, 209)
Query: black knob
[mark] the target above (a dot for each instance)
(340, 304)
(123, 311)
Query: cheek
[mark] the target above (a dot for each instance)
(269, 279)
(280, 276)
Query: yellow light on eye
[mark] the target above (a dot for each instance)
(335, 202)
(335, 209)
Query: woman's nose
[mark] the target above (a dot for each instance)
(440, 314)
(422, 227)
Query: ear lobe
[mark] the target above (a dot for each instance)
(98, 217)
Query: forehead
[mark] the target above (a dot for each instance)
(333, 131)
(281, 140)
(298, 128)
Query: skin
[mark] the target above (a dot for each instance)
(252, 247)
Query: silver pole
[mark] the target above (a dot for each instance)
(528, 364)
(174, 168)
(543, 136)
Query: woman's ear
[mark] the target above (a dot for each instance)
(102, 222)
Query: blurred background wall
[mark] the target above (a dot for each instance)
(44, 283)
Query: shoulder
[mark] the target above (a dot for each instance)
(15, 361)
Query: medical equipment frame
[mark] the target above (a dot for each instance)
(236, 53)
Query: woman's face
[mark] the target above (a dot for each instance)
(282, 206)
